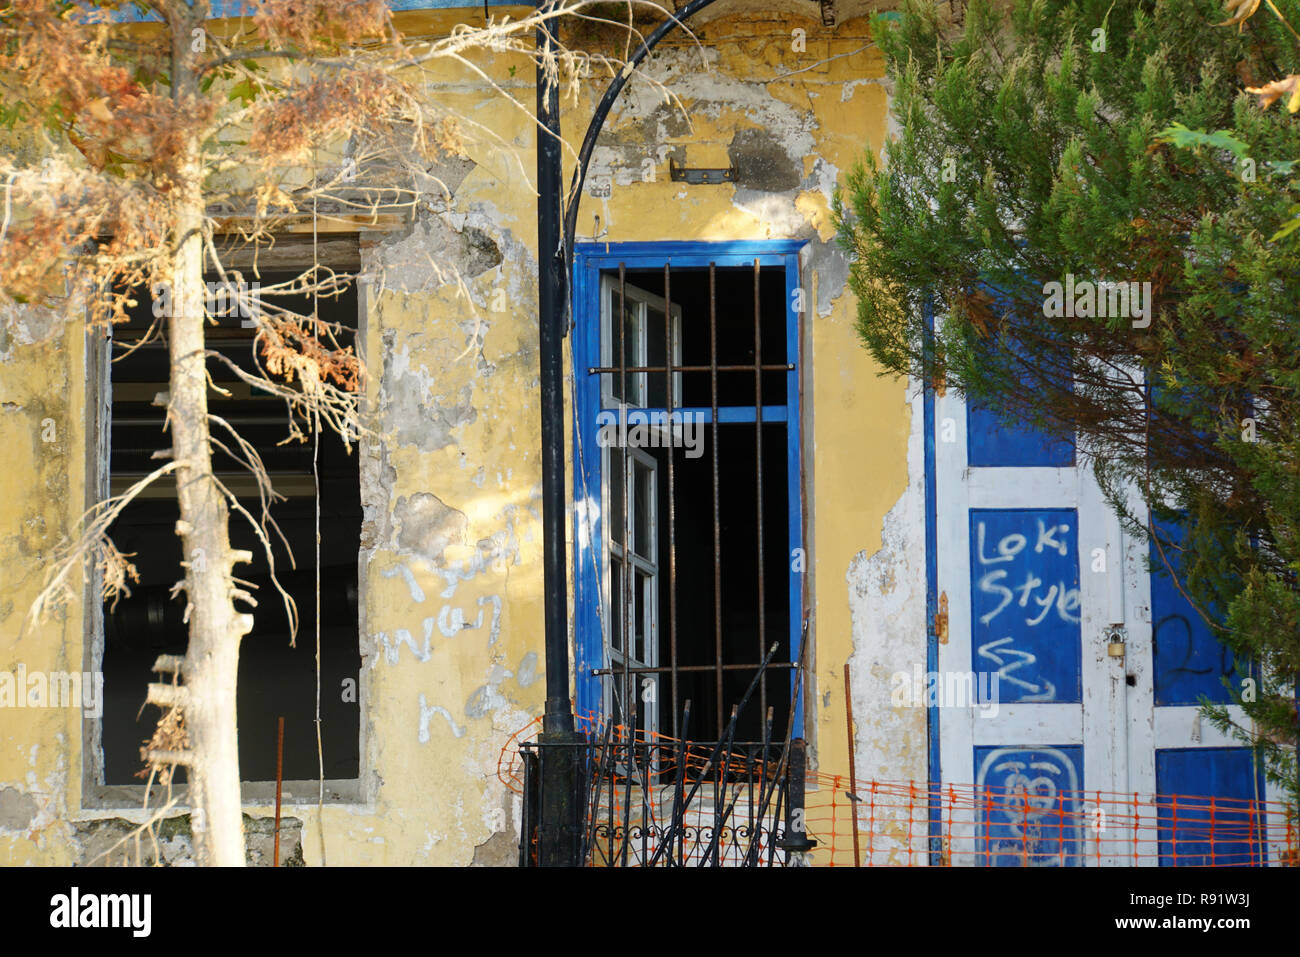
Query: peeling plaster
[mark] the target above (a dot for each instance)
(887, 607)
(527, 670)
(27, 326)
(413, 411)
(110, 841)
(426, 526)
(17, 809)
(439, 249)
(762, 163)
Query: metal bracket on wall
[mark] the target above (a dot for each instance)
(701, 177)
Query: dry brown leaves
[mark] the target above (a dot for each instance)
(170, 735)
(66, 71)
(286, 130)
(114, 570)
(1240, 11)
(1269, 93)
(296, 349)
(62, 212)
(314, 25)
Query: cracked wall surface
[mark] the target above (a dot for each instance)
(450, 565)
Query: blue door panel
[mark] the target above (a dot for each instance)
(1030, 809)
(1189, 663)
(992, 442)
(1208, 811)
(1025, 622)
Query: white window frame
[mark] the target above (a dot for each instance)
(639, 302)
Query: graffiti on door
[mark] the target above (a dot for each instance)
(1025, 601)
(1030, 811)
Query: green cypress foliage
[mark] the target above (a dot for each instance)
(1087, 142)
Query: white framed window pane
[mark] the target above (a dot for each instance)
(616, 618)
(634, 336)
(616, 488)
(639, 607)
(615, 350)
(643, 497)
(656, 352)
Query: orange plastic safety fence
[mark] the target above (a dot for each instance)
(910, 823)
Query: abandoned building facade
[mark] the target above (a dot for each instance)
(740, 475)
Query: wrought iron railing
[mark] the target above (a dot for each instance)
(657, 802)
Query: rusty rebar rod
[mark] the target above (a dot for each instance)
(853, 771)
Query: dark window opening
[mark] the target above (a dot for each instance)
(700, 603)
(275, 680)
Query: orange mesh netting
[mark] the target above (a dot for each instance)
(1030, 822)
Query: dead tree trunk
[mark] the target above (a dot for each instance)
(211, 665)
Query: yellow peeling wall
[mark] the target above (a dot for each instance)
(451, 565)
(42, 402)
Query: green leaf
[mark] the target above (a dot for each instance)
(245, 91)
(1183, 138)
(1289, 227)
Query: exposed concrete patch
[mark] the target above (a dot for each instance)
(666, 121)
(17, 810)
(502, 848)
(711, 91)
(499, 850)
(449, 172)
(633, 138)
(439, 249)
(486, 698)
(377, 480)
(850, 87)
(27, 324)
(427, 525)
(828, 261)
(762, 163)
(404, 157)
(410, 408)
(527, 673)
(114, 841)
(642, 125)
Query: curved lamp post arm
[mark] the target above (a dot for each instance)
(602, 111)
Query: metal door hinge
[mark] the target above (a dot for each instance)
(941, 619)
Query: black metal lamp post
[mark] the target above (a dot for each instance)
(561, 812)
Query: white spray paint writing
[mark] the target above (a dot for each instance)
(450, 621)
(427, 711)
(1058, 597)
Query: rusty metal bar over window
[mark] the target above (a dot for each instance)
(693, 360)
